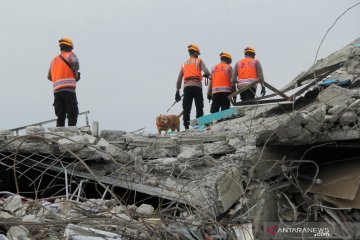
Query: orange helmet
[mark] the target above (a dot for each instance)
(226, 54)
(249, 49)
(194, 47)
(66, 41)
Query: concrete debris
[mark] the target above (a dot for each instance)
(217, 148)
(244, 232)
(118, 154)
(333, 95)
(348, 118)
(64, 129)
(112, 134)
(91, 139)
(34, 130)
(145, 209)
(12, 203)
(83, 233)
(73, 144)
(5, 215)
(192, 151)
(275, 164)
(159, 152)
(18, 233)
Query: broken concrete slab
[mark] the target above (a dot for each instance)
(34, 146)
(118, 154)
(17, 233)
(334, 95)
(152, 152)
(12, 203)
(110, 135)
(91, 139)
(347, 118)
(339, 135)
(34, 130)
(64, 129)
(336, 109)
(31, 218)
(191, 151)
(337, 175)
(164, 161)
(145, 210)
(74, 143)
(83, 233)
(218, 148)
(91, 153)
(5, 215)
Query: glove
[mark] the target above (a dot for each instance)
(234, 98)
(177, 96)
(263, 91)
(78, 77)
(206, 75)
(209, 97)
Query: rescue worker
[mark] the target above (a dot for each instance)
(220, 86)
(246, 71)
(191, 72)
(64, 73)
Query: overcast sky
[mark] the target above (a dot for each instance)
(130, 52)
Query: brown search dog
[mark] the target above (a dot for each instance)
(166, 122)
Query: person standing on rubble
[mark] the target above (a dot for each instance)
(246, 71)
(220, 86)
(191, 72)
(64, 73)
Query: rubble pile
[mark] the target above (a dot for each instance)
(274, 164)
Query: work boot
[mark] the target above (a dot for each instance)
(186, 127)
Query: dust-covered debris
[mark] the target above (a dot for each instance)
(274, 164)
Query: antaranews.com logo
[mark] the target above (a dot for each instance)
(308, 230)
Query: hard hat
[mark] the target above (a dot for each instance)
(226, 54)
(249, 49)
(194, 47)
(66, 41)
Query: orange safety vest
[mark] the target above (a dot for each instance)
(62, 75)
(247, 70)
(192, 69)
(220, 81)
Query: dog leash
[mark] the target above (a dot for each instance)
(173, 104)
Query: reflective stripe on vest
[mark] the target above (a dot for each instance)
(192, 69)
(247, 70)
(220, 81)
(62, 75)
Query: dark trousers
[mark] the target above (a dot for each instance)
(190, 93)
(248, 94)
(220, 100)
(66, 105)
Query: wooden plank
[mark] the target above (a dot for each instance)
(231, 112)
(267, 85)
(276, 91)
(240, 91)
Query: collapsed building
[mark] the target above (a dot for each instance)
(278, 162)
